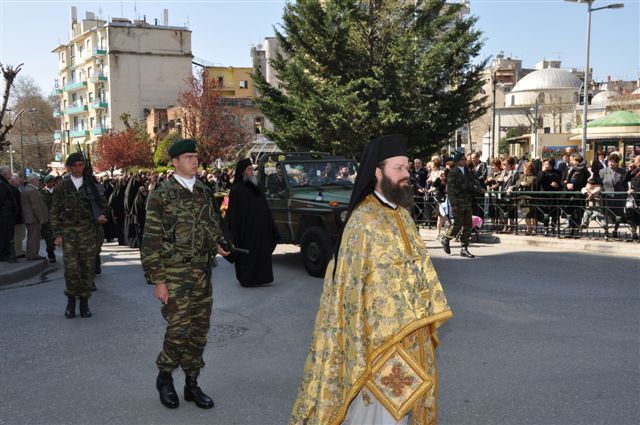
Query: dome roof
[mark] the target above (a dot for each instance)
(616, 119)
(604, 96)
(548, 79)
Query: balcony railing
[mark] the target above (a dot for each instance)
(76, 108)
(75, 86)
(78, 133)
(98, 78)
(98, 131)
(56, 114)
(99, 104)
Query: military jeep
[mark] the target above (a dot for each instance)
(308, 194)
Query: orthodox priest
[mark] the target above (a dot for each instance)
(252, 227)
(372, 356)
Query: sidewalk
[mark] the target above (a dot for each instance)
(575, 245)
(22, 268)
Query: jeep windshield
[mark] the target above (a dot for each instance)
(321, 173)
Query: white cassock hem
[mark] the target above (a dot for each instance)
(365, 409)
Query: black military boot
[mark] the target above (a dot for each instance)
(192, 392)
(464, 252)
(84, 307)
(70, 312)
(93, 287)
(168, 394)
(52, 256)
(445, 244)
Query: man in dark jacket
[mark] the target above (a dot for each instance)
(548, 180)
(577, 176)
(8, 212)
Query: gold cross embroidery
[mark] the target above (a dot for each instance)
(396, 381)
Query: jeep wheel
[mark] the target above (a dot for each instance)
(316, 251)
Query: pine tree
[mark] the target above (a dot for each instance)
(355, 69)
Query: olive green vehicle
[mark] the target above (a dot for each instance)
(308, 194)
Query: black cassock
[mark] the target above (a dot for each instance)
(252, 227)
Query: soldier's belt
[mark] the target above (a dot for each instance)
(193, 259)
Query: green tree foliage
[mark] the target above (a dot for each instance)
(161, 155)
(352, 69)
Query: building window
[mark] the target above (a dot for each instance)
(244, 84)
(90, 96)
(88, 44)
(73, 76)
(92, 121)
(62, 57)
(64, 81)
(89, 72)
(74, 97)
(220, 81)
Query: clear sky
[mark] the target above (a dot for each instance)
(224, 31)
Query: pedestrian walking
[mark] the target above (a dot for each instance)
(372, 355)
(461, 190)
(180, 239)
(74, 224)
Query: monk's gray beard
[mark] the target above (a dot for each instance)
(251, 179)
(396, 193)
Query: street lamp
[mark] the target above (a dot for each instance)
(586, 69)
(21, 141)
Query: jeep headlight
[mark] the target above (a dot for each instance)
(343, 215)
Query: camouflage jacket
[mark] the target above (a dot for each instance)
(181, 227)
(71, 209)
(460, 188)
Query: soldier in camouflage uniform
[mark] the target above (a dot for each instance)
(460, 189)
(180, 238)
(74, 228)
(46, 232)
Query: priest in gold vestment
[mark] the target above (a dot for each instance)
(372, 356)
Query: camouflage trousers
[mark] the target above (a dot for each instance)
(462, 222)
(188, 315)
(79, 255)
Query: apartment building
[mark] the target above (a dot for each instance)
(108, 69)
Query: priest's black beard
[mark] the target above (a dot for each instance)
(396, 193)
(251, 179)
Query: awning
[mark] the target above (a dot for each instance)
(525, 138)
(602, 136)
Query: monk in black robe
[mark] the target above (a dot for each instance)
(252, 227)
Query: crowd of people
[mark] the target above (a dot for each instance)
(606, 191)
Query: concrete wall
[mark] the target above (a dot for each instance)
(147, 68)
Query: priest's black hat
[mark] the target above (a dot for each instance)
(240, 167)
(374, 153)
(73, 158)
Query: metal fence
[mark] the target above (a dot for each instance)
(559, 214)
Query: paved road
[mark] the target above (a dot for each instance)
(538, 337)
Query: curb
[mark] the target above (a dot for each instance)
(22, 270)
(601, 247)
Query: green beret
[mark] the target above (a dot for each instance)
(48, 178)
(182, 146)
(457, 156)
(73, 158)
